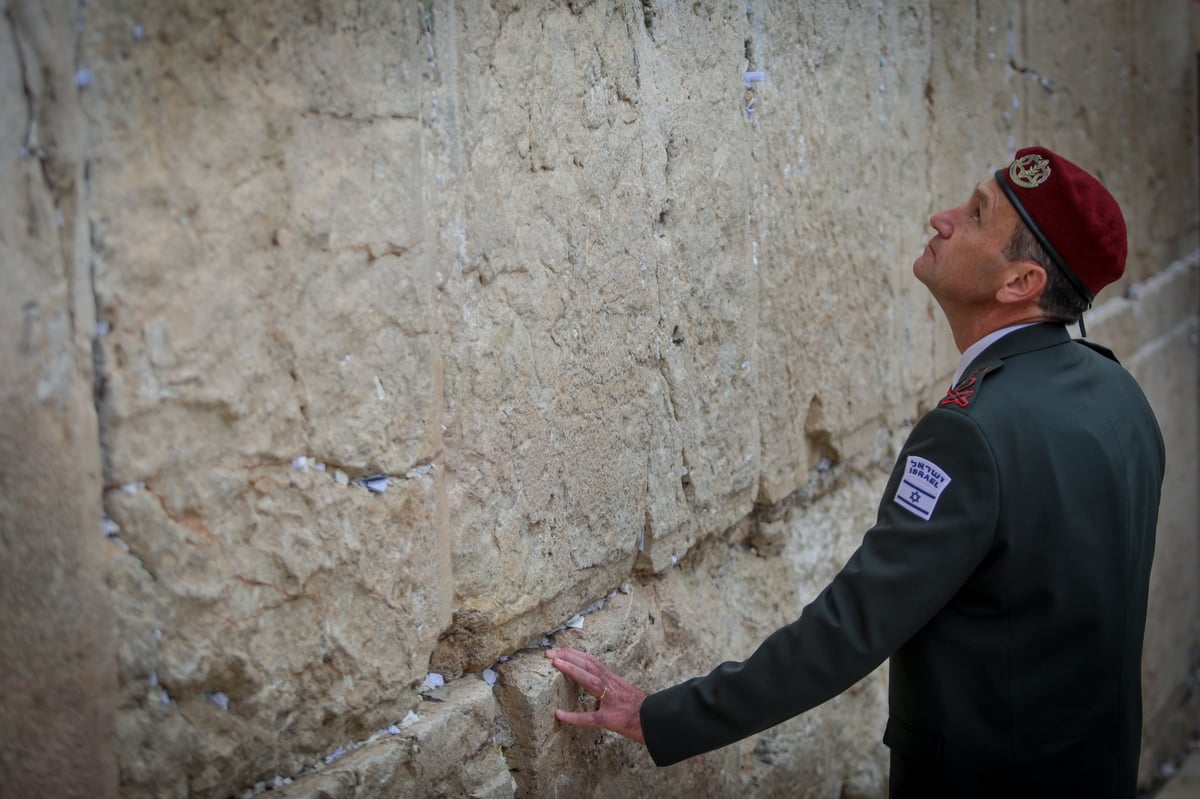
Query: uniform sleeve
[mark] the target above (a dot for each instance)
(929, 537)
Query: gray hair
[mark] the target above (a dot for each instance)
(1060, 301)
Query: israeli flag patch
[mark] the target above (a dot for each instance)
(921, 486)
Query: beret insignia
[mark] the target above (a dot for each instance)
(1029, 171)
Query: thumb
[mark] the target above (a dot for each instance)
(581, 719)
(585, 719)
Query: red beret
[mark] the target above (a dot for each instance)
(1073, 217)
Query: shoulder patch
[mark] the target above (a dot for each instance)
(921, 486)
(964, 393)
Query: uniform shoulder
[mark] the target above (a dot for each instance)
(1099, 348)
(964, 393)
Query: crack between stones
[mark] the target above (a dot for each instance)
(1046, 83)
(99, 372)
(643, 562)
(368, 119)
(30, 149)
(363, 476)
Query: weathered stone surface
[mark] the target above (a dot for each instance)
(1167, 365)
(57, 681)
(714, 607)
(587, 348)
(833, 262)
(268, 631)
(1094, 100)
(451, 751)
(610, 293)
(258, 238)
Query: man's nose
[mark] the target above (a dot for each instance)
(943, 222)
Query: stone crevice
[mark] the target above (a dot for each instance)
(99, 363)
(113, 534)
(1045, 82)
(367, 119)
(31, 148)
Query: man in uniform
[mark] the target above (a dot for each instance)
(1007, 573)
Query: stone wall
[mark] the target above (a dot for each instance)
(349, 343)
(58, 684)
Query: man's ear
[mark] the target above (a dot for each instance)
(1024, 283)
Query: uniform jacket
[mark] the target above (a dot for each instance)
(1006, 577)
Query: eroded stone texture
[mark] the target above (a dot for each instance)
(268, 632)
(259, 238)
(1163, 355)
(718, 606)
(609, 293)
(57, 681)
(838, 117)
(600, 314)
(451, 751)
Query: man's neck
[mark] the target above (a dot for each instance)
(980, 346)
(972, 328)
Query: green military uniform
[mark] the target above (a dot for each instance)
(1006, 577)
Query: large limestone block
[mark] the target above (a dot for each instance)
(598, 300)
(258, 230)
(295, 304)
(975, 92)
(1168, 368)
(1168, 300)
(452, 750)
(57, 677)
(1149, 314)
(708, 228)
(314, 640)
(838, 136)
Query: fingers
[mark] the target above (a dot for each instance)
(582, 668)
(580, 660)
(619, 708)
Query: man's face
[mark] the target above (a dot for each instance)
(962, 264)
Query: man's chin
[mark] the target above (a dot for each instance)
(920, 268)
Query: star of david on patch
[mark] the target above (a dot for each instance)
(921, 486)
